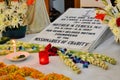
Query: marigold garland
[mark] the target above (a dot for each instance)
(13, 72)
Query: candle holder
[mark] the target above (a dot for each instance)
(43, 57)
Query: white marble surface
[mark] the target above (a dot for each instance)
(28, 37)
(108, 47)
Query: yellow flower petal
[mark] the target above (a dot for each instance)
(112, 22)
(116, 31)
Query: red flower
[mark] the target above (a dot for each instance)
(48, 47)
(118, 22)
(52, 51)
(30, 2)
(100, 16)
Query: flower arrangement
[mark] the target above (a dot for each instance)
(110, 15)
(12, 14)
(13, 72)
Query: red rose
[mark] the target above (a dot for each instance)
(118, 22)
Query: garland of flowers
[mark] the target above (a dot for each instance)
(86, 58)
(11, 72)
(70, 57)
(110, 15)
(20, 46)
(69, 62)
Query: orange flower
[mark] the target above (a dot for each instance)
(30, 2)
(100, 16)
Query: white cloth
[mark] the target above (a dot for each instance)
(38, 17)
(108, 47)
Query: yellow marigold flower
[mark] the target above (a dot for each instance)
(55, 76)
(2, 65)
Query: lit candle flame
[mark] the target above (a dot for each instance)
(14, 45)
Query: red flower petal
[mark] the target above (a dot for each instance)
(30, 2)
(48, 47)
(118, 22)
(100, 16)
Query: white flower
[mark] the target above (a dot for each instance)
(2, 25)
(2, 5)
(24, 6)
(112, 16)
(8, 12)
(7, 23)
(112, 22)
(15, 21)
(13, 15)
(14, 4)
(106, 19)
(108, 7)
(116, 31)
(2, 17)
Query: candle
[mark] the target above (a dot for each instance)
(14, 46)
(30, 2)
(43, 57)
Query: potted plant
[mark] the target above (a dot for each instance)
(13, 15)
